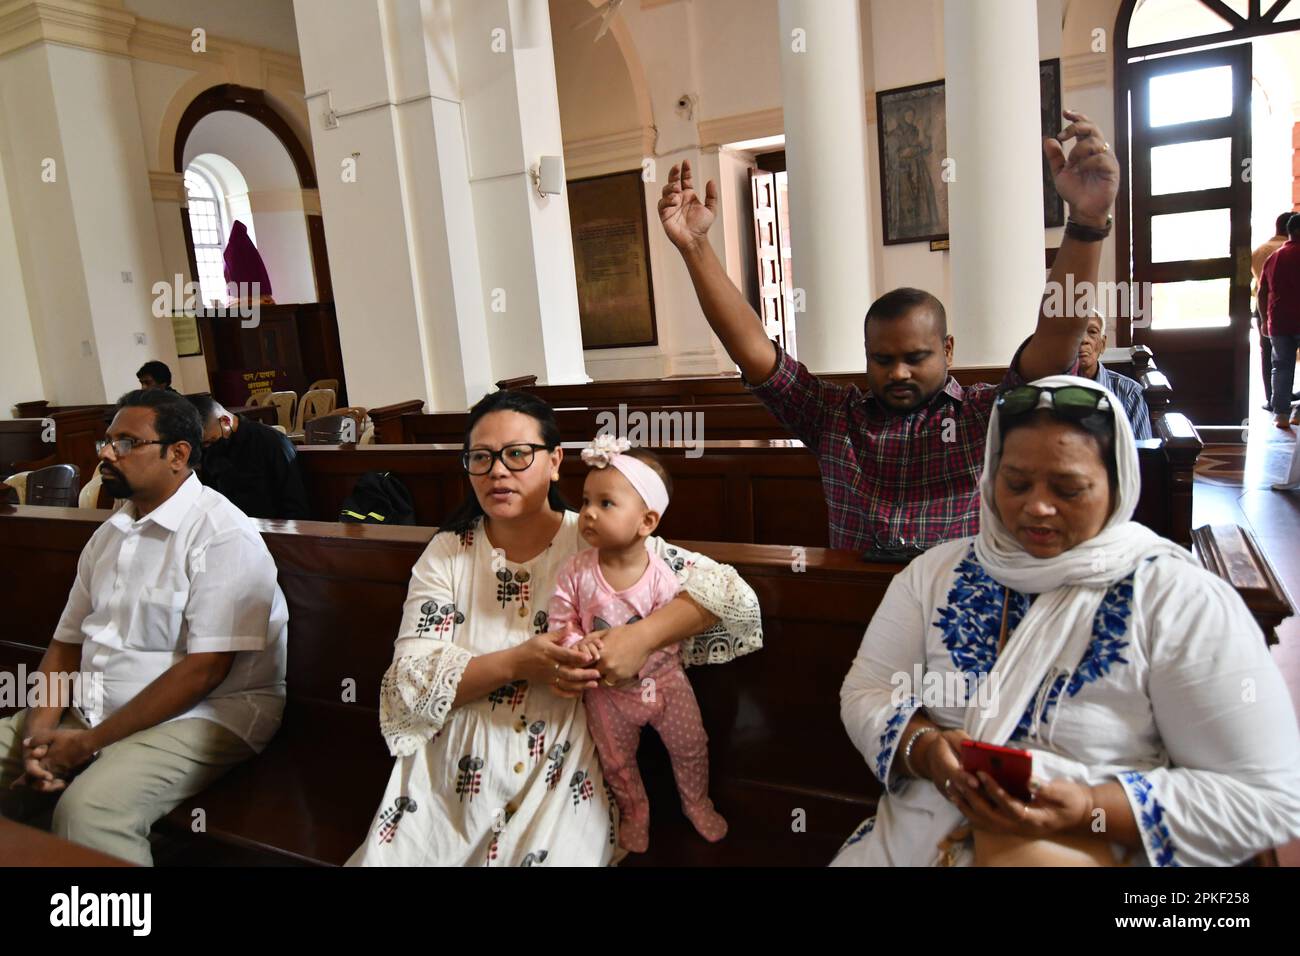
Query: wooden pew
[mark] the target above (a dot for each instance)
(78, 427)
(759, 492)
(310, 796)
(1135, 362)
(20, 443)
(675, 422)
(26, 846)
(776, 743)
(698, 390)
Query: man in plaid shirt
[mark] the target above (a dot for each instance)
(903, 460)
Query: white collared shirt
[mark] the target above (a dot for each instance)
(193, 576)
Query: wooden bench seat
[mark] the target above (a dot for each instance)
(1136, 362)
(756, 491)
(730, 421)
(778, 752)
(311, 795)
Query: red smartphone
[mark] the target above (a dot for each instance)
(1011, 768)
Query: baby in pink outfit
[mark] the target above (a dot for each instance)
(615, 582)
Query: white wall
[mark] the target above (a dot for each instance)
(45, 233)
(115, 224)
(20, 374)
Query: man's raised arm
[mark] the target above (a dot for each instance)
(1088, 182)
(686, 220)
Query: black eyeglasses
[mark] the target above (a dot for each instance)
(122, 446)
(1072, 402)
(516, 457)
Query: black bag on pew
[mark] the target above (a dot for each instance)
(378, 498)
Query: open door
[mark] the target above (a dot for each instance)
(1190, 182)
(772, 250)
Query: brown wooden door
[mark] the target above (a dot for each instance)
(1189, 175)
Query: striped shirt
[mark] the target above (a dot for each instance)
(1130, 396)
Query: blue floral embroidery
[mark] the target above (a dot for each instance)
(1151, 817)
(889, 738)
(972, 620)
(1106, 649)
(859, 833)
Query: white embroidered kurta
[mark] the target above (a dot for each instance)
(511, 779)
(1177, 698)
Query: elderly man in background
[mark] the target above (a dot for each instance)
(1125, 389)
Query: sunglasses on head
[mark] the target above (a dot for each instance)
(1072, 402)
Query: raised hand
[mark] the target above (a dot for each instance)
(1088, 179)
(686, 218)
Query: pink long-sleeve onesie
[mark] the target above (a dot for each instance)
(662, 697)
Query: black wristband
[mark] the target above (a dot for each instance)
(1077, 230)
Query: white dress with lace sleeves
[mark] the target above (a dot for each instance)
(721, 591)
(419, 686)
(509, 779)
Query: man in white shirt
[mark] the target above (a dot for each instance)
(176, 629)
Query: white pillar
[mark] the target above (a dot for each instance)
(441, 109)
(995, 202)
(826, 157)
(525, 244)
(83, 218)
(385, 130)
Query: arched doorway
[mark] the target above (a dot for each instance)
(1187, 117)
(243, 161)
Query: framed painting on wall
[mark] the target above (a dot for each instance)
(913, 135)
(611, 253)
(1049, 92)
(186, 330)
(912, 131)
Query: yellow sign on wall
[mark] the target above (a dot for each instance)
(186, 330)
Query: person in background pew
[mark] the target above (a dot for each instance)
(177, 629)
(252, 464)
(903, 460)
(1122, 387)
(1136, 679)
(481, 706)
(155, 375)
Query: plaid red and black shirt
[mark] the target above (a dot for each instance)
(913, 476)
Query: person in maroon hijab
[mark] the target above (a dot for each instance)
(244, 265)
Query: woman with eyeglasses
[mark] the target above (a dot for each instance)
(481, 705)
(1158, 728)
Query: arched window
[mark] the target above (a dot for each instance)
(209, 232)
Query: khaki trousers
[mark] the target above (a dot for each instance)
(114, 802)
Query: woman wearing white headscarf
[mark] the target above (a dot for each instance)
(1160, 729)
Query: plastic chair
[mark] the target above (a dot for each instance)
(284, 403)
(89, 497)
(331, 383)
(313, 405)
(56, 486)
(18, 482)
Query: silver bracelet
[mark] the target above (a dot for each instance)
(911, 742)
